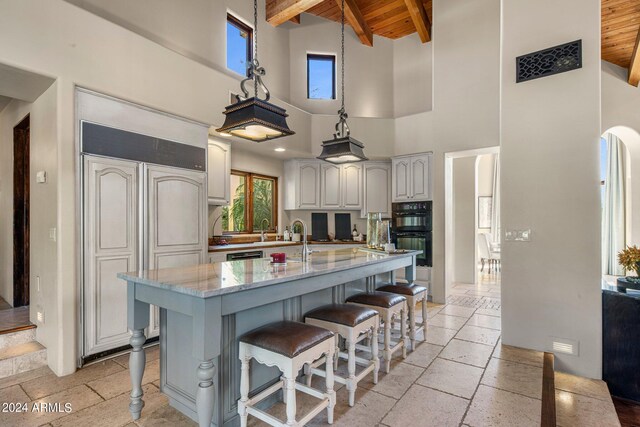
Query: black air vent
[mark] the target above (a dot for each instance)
(547, 62)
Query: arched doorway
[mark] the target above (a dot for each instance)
(620, 192)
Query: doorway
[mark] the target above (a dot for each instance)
(21, 139)
(470, 224)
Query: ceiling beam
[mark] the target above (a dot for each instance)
(353, 16)
(295, 19)
(420, 19)
(281, 11)
(634, 65)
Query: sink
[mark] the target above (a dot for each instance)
(283, 243)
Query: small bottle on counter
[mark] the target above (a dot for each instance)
(354, 233)
(286, 236)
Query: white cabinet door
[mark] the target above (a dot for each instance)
(352, 186)
(218, 172)
(330, 186)
(401, 179)
(110, 247)
(177, 221)
(308, 185)
(420, 173)
(377, 188)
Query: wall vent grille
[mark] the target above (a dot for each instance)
(547, 62)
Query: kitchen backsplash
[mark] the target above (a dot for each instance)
(287, 217)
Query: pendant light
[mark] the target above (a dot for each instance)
(342, 148)
(253, 118)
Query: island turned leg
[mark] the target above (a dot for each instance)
(137, 321)
(205, 393)
(137, 361)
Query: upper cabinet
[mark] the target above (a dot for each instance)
(314, 184)
(411, 178)
(377, 188)
(301, 184)
(331, 188)
(219, 173)
(352, 186)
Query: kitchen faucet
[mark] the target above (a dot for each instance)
(262, 235)
(304, 238)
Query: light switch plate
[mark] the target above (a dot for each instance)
(52, 234)
(518, 235)
(41, 177)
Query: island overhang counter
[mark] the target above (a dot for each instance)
(205, 308)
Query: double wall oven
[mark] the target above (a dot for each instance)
(411, 229)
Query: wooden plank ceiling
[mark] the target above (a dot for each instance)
(398, 18)
(390, 18)
(620, 25)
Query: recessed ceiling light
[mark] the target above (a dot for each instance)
(279, 149)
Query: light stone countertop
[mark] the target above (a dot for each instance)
(208, 280)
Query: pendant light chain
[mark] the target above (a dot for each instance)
(342, 54)
(342, 129)
(255, 46)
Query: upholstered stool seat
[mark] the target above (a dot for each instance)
(388, 306)
(289, 346)
(413, 293)
(286, 338)
(377, 298)
(354, 323)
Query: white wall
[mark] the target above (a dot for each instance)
(43, 209)
(412, 76)
(197, 30)
(368, 70)
(464, 197)
(466, 66)
(550, 183)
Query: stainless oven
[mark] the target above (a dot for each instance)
(411, 229)
(416, 242)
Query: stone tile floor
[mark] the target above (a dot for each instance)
(462, 375)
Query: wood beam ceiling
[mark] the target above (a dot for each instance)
(281, 11)
(420, 19)
(634, 65)
(353, 16)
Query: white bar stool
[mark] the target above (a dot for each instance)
(388, 307)
(413, 293)
(354, 323)
(289, 346)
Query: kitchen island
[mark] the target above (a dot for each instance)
(204, 309)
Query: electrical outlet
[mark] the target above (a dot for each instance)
(41, 177)
(52, 234)
(518, 235)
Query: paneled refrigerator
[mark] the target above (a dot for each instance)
(144, 207)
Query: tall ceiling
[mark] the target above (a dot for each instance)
(620, 25)
(389, 19)
(398, 18)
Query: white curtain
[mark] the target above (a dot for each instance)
(613, 209)
(495, 210)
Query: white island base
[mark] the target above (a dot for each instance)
(204, 309)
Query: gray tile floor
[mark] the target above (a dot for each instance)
(462, 375)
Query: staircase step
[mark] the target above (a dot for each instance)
(15, 338)
(22, 358)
